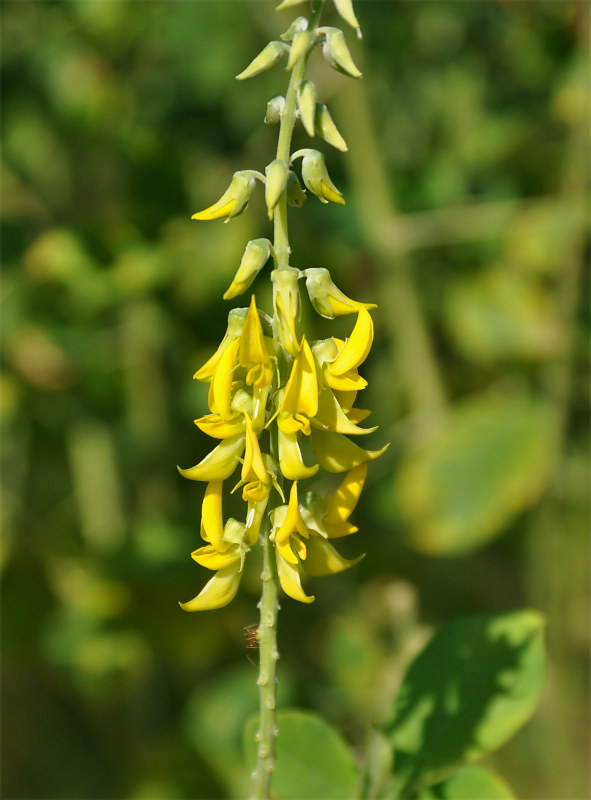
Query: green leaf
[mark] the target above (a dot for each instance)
(468, 783)
(491, 462)
(471, 689)
(312, 760)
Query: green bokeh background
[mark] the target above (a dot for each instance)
(466, 219)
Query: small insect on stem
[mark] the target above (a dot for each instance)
(251, 634)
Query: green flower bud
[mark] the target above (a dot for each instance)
(275, 108)
(286, 300)
(275, 183)
(302, 41)
(299, 24)
(316, 177)
(327, 299)
(267, 58)
(328, 130)
(235, 199)
(336, 52)
(345, 9)
(296, 196)
(306, 98)
(288, 4)
(254, 259)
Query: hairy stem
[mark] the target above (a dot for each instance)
(267, 680)
(269, 605)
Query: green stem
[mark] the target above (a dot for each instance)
(267, 680)
(269, 605)
(288, 120)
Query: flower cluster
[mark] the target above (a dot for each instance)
(283, 407)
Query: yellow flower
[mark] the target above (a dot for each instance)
(300, 401)
(254, 350)
(236, 319)
(235, 199)
(286, 299)
(287, 528)
(224, 553)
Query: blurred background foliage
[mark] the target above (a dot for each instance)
(466, 219)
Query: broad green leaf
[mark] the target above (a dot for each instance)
(215, 718)
(491, 462)
(471, 689)
(312, 760)
(468, 783)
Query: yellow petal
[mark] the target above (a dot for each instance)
(219, 464)
(254, 517)
(350, 381)
(336, 453)
(252, 341)
(357, 346)
(211, 558)
(289, 578)
(358, 414)
(331, 417)
(216, 427)
(323, 559)
(217, 592)
(221, 383)
(253, 466)
(331, 193)
(346, 496)
(301, 392)
(290, 458)
(212, 521)
(217, 210)
(341, 530)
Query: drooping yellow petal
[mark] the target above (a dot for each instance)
(211, 558)
(217, 592)
(331, 417)
(350, 381)
(252, 341)
(289, 578)
(323, 559)
(218, 428)
(253, 466)
(301, 393)
(219, 464)
(290, 458)
(254, 517)
(291, 525)
(357, 346)
(336, 453)
(220, 396)
(346, 496)
(212, 520)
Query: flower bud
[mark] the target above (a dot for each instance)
(328, 130)
(286, 298)
(336, 52)
(288, 4)
(267, 58)
(275, 108)
(345, 9)
(275, 183)
(316, 176)
(254, 259)
(236, 319)
(299, 24)
(296, 196)
(307, 105)
(302, 41)
(235, 199)
(327, 299)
